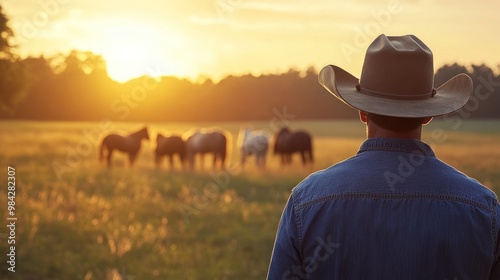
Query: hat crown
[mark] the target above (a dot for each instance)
(398, 67)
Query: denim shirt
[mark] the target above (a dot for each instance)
(392, 211)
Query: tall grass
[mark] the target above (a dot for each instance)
(145, 223)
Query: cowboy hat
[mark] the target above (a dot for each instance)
(397, 80)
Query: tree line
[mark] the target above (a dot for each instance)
(77, 87)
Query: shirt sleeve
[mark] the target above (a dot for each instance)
(286, 261)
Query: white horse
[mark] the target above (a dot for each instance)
(254, 143)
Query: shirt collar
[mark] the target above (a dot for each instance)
(397, 145)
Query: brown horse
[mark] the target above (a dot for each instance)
(129, 144)
(287, 142)
(169, 146)
(203, 142)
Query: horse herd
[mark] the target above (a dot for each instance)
(197, 143)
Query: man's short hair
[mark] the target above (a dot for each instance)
(396, 124)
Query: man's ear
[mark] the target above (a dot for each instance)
(426, 120)
(363, 116)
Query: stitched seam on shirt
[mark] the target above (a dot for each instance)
(397, 150)
(298, 224)
(494, 232)
(417, 147)
(395, 196)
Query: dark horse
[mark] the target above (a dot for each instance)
(286, 143)
(169, 146)
(128, 144)
(206, 142)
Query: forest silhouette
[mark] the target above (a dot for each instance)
(76, 87)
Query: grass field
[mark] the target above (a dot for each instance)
(78, 220)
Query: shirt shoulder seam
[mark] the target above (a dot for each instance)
(309, 203)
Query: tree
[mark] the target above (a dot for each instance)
(13, 82)
(80, 63)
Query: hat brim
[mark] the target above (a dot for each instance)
(450, 97)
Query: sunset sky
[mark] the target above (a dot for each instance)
(214, 38)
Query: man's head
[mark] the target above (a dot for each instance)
(397, 81)
(397, 127)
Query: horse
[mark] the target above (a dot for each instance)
(287, 143)
(254, 143)
(169, 146)
(129, 144)
(203, 142)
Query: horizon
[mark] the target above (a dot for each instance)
(212, 40)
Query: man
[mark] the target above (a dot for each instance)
(393, 211)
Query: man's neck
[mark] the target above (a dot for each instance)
(374, 131)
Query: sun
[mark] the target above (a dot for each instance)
(132, 51)
(126, 60)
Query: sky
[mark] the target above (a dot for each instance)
(215, 38)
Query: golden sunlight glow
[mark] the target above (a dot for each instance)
(132, 51)
(195, 38)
